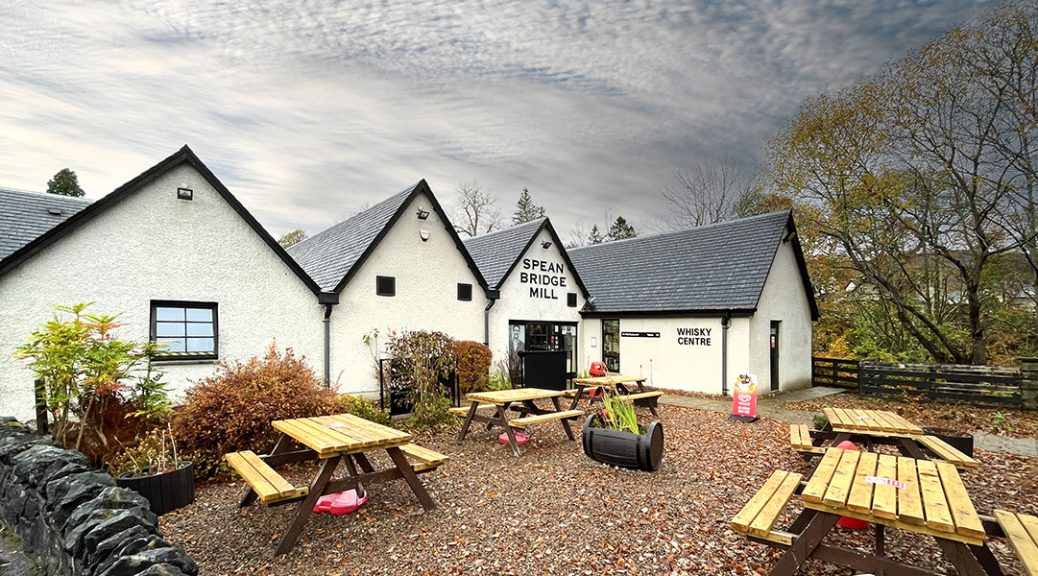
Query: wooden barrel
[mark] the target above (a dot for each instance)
(624, 449)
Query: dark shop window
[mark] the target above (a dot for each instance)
(465, 292)
(185, 329)
(385, 285)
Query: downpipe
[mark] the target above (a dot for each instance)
(726, 321)
(327, 345)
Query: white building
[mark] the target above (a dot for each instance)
(187, 265)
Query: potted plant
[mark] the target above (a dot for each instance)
(613, 436)
(153, 469)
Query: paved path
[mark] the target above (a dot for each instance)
(773, 406)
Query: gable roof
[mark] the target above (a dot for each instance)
(716, 268)
(25, 216)
(333, 256)
(183, 156)
(498, 253)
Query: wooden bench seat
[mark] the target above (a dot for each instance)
(426, 459)
(643, 395)
(1022, 532)
(800, 438)
(540, 418)
(758, 516)
(268, 485)
(464, 410)
(947, 452)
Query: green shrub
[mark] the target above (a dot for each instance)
(499, 380)
(232, 410)
(473, 361)
(364, 408)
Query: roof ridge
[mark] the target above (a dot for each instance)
(45, 194)
(684, 231)
(538, 221)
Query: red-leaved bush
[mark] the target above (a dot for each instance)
(473, 365)
(232, 410)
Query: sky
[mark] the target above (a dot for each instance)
(312, 111)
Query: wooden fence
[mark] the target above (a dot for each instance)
(982, 385)
(834, 372)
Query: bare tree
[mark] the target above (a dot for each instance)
(474, 213)
(707, 193)
(578, 236)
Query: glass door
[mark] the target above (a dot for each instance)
(611, 345)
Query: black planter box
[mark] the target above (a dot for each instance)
(167, 491)
(624, 449)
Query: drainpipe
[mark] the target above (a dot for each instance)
(493, 295)
(328, 299)
(726, 321)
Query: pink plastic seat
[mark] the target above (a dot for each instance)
(340, 503)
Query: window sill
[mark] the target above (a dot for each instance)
(184, 361)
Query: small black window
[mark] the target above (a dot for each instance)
(185, 329)
(464, 292)
(385, 285)
(571, 299)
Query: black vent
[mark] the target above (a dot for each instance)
(385, 285)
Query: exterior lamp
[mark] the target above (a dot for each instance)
(185, 194)
(545, 244)
(423, 214)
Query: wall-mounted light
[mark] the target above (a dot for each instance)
(423, 214)
(185, 194)
(545, 244)
(424, 234)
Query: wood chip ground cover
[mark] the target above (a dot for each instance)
(554, 511)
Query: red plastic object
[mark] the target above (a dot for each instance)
(597, 369)
(340, 503)
(844, 521)
(521, 438)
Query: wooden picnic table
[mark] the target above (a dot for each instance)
(640, 396)
(521, 400)
(330, 440)
(871, 422)
(899, 492)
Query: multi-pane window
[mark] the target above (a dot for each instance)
(185, 329)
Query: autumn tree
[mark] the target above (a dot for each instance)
(474, 212)
(65, 183)
(526, 210)
(291, 238)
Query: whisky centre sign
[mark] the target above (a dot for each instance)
(694, 336)
(543, 277)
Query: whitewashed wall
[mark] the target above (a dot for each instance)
(427, 276)
(784, 299)
(517, 303)
(152, 246)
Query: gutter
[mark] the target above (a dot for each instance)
(493, 295)
(329, 299)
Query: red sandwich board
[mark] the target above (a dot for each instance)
(744, 398)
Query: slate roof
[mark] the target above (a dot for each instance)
(708, 268)
(330, 255)
(25, 216)
(495, 252)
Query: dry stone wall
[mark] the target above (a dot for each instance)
(73, 517)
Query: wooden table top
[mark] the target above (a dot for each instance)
(341, 434)
(930, 499)
(878, 422)
(513, 395)
(610, 380)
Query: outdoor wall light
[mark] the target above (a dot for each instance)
(424, 234)
(423, 214)
(185, 194)
(545, 244)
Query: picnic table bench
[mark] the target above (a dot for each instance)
(920, 496)
(617, 382)
(812, 443)
(1022, 532)
(329, 441)
(521, 400)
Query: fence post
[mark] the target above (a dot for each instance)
(1029, 383)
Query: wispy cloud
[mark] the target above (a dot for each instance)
(310, 111)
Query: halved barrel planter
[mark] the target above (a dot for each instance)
(624, 449)
(166, 491)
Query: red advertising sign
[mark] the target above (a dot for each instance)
(744, 398)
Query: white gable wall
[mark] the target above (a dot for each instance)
(427, 275)
(517, 302)
(783, 299)
(152, 246)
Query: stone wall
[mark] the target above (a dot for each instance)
(73, 517)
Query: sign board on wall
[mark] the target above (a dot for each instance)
(543, 277)
(695, 336)
(744, 398)
(640, 334)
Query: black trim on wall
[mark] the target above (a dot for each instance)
(164, 355)
(670, 314)
(385, 285)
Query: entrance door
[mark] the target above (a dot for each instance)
(611, 345)
(541, 336)
(775, 354)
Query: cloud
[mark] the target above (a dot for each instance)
(309, 112)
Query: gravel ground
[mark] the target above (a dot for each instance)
(554, 511)
(1001, 421)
